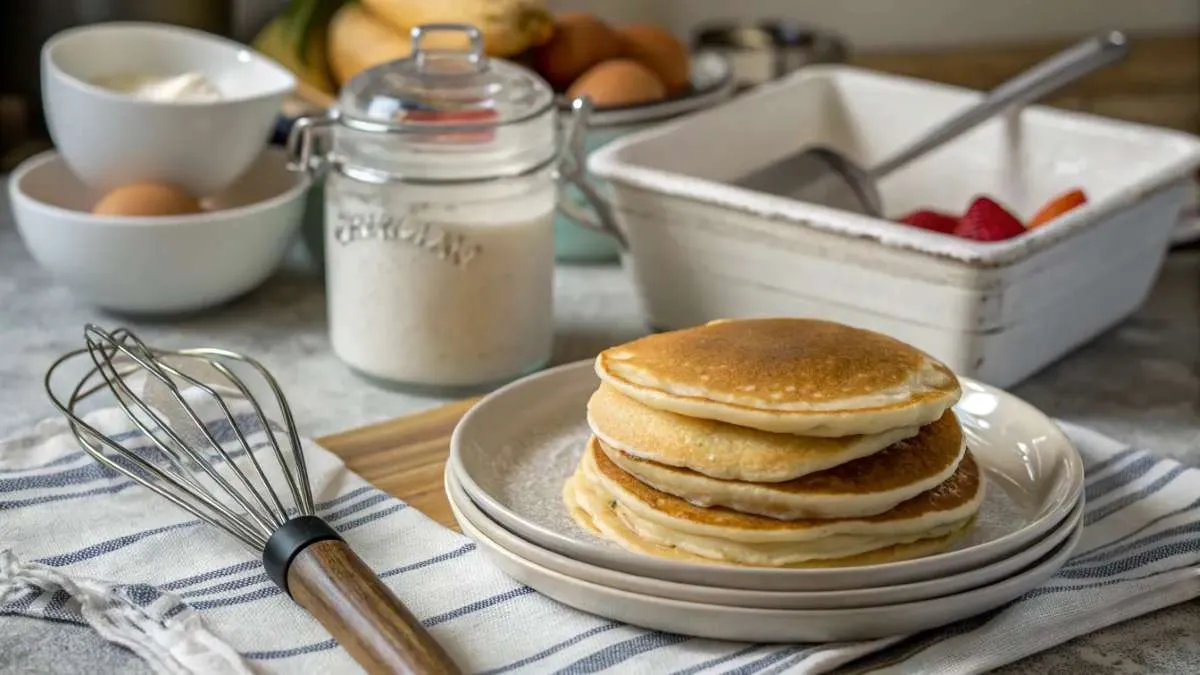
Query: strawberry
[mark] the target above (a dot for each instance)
(931, 220)
(986, 220)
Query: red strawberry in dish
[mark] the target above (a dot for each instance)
(931, 220)
(986, 220)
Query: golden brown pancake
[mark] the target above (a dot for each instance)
(720, 449)
(799, 376)
(605, 518)
(942, 503)
(604, 491)
(863, 487)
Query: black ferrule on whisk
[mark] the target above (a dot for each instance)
(288, 541)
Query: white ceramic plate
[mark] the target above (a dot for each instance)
(513, 451)
(863, 597)
(723, 622)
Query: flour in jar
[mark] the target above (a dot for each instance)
(441, 286)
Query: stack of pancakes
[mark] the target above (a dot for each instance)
(775, 442)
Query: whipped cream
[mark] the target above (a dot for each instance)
(184, 88)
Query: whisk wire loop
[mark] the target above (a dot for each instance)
(278, 517)
(301, 493)
(210, 511)
(114, 376)
(191, 470)
(103, 348)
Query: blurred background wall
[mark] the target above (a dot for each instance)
(919, 24)
(972, 43)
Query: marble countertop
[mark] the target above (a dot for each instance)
(1140, 383)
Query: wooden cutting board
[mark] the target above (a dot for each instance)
(405, 457)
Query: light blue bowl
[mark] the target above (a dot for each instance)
(712, 83)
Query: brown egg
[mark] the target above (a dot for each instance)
(619, 82)
(147, 199)
(657, 49)
(580, 41)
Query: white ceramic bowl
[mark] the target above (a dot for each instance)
(703, 249)
(157, 265)
(109, 138)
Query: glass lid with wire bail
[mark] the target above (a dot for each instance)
(446, 113)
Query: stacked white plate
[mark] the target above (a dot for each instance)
(510, 456)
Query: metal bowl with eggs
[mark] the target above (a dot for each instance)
(710, 83)
(635, 75)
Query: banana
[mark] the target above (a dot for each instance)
(296, 39)
(509, 27)
(357, 41)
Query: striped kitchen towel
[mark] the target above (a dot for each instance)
(81, 544)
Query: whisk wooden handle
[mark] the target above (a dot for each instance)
(330, 581)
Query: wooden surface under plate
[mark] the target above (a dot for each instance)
(405, 457)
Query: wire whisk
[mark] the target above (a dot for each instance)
(202, 440)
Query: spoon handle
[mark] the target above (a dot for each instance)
(1044, 78)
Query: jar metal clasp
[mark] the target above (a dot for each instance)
(572, 169)
(303, 152)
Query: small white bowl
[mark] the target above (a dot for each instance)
(158, 265)
(110, 138)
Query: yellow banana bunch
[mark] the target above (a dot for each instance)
(327, 42)
(509, 27)
(357, 41)
(296, 39)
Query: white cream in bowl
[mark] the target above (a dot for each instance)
(183, 88)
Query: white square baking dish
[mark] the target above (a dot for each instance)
(701, 249)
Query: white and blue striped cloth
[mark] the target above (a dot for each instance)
(81, 544)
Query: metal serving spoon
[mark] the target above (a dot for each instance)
(824, 176)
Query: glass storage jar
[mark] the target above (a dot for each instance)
(441, 175)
